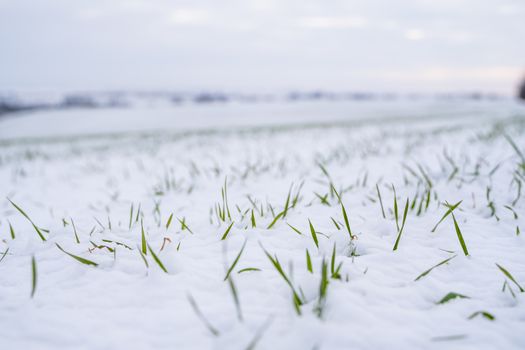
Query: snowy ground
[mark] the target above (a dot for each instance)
(103, 181)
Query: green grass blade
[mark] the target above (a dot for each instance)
(143, 239)
(433, 267)
(460, 236)
(234, 262)
(314, 235)
(236, 301)
(248, 269)
(200, 315)
(227, 231)
(293, 228)
(168, 223)
(11, 231)
(485, 314)
(447, 213)
(29, 219)
(402, 225)
(450, 296)
(157, 260)
(75, 231)
(510, 277)
(380, 201)
(34, 276)
(4, 254)
(78, 258)
(309, 262)
(280, 215)
(143, 257)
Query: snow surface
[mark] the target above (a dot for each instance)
(89, 167)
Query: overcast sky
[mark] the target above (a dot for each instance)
(262, 45)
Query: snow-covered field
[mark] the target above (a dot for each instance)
(221, 227)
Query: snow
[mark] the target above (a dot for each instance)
(90, 166)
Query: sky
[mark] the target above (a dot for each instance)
(262, 45)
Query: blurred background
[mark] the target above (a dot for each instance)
(59, 54)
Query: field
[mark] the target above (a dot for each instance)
(384, 230)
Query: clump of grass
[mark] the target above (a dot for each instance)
(37, 229)
(450, 296)
(510, 277)
(33, 275)
(200, 315)
(77, 258)
(433, 267)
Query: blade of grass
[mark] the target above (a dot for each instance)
(451, 208)
(78, 258)
(314, 235)
(227, 231)
(460, 236)
(34, 276)
(168, 223)
(75, 231)
(405, 212)
(200, 315)
(143, 239)
(280, 215)
(38, 230)
(509, 276)
(485, 314)
(450, 296)
(433, 267)
(293, 228)
(4, 254)
(380, 202)
(309, 262)
(157, 260)
(11, 230)
(235, 262)
(235, 298)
